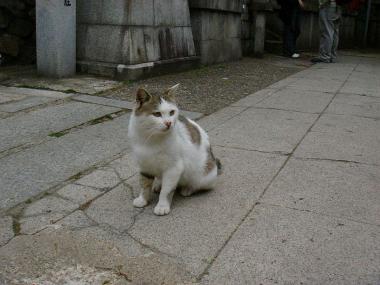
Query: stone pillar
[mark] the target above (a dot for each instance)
(56, 38)
(260, 8)
(259, 28)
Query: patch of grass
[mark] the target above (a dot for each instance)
(57, 135)
(76, 176)
(28, 201)
(101, 120)
(16, 227)
(69, 91)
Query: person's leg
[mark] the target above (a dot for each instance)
(326, 27)
(337, 19)
(287, 40)
(296, 27)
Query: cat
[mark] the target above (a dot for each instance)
(171, 151)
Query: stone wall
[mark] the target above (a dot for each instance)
(17, 31)
(217, 29)
(128, 36)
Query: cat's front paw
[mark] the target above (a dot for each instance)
(161, 210)
(140, 202)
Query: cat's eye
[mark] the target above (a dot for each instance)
(172, 112)
(156, 114)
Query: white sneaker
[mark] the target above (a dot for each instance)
(295, 55)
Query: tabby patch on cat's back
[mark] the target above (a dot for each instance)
(172, 151)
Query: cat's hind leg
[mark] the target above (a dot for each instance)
(146, 192)
(156, 186)
(207, 183)
(187, 190)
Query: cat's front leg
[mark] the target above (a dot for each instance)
(145, 194)
(170, 180)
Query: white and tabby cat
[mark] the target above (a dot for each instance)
(171, 149)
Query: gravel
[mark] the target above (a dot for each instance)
(211, 88)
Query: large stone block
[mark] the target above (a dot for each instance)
(100, 42)
(56, 39)
(126, 38)
(133, 45)
(116, 12)
(216, 35)
(175, 42)
(171, 13)
(220, 51)
(222, 5)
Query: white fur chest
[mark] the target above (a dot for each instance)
(153, 160)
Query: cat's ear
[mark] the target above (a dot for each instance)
(142, 96)
(171, 92)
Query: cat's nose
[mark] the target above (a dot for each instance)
(168, 124)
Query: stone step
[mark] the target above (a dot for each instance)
(25, 128)
(28, 173)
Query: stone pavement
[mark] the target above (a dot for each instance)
(298, 203)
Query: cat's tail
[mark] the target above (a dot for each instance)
(219, 166)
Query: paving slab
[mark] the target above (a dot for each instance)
(125, 166)
(104, 101)
(35, 92)
(25, 103)
(9, 97)
(313, 84)
(255, 98)
(49, 204)
(41, 167)
(297, 100)
(344, 64)
(198, 226)
(25, 128)
(283, 83)
(283, 246)
(341, 137)
(51, 253)
(264, 130)
(6, 230)
(3, 115)
(34, 224)
(102, 179)
(347, 190)
(78, 193)
(44, 212)
(363, 84)
(191, 115)
(79, 84)
(76, 220)
(350, 104)
(369, 67)
(322, 74)
(218, 118)
(114, 209)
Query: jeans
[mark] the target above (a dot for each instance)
(329, 22)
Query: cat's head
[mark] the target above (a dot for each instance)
(156, 113)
